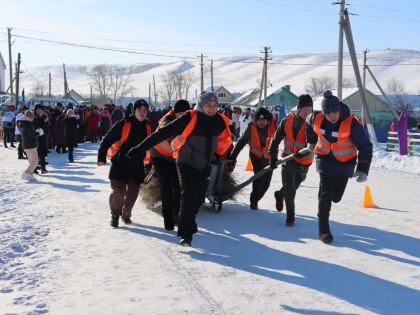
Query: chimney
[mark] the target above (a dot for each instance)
(287, 87)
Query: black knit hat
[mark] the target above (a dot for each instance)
(38, 106)
(305, 100)
(139, 103)
(181, 106)
(204, 99)
(330, 103)
(263, 113)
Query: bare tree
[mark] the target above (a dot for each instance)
(349, 83)
(317, 86)
(120, 78)
(38, 89)
(168, 88)
(100, 77)
(397, 88)
(189, 80)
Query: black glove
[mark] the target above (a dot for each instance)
(134, 152)
(273, 162)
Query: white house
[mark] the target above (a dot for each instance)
(2, 74)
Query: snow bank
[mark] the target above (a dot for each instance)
(394, 162)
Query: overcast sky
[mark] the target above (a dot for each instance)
(185, 28)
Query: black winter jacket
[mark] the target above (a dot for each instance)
(124, 169)
(71, 131)
(28, 133)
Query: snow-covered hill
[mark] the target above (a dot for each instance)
(239, 74)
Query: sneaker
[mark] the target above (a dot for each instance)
(127, 220)
(21, 157)
(44, 171)
(290, 220)
(279, 200)
(254, 205)
(36, 172)
(13, 146)
(28, 177)
(185, 241)
(114, 220)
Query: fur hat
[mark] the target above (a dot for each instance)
(305, 100)
(70, 113)
(29, 114)
(263, 113)
(330, 103)
(38, 106)
(204, 99)
(181, 106)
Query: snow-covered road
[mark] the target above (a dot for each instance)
(59, 255)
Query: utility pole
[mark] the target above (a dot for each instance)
(49, 85)
(9, 35)
(17, 79)
(150, 94)
(352, 51)
(211, 68)
(342, 4)
(66, 87)
(263, 84)
(154, 90)
(364, 67)
(202, 72)
(91, 95)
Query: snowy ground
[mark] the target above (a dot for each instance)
(59, 255)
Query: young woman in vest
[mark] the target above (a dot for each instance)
(292, 131)
(164, 164)
(258, 135)
(201, 136)
(125, 175)
(341, 146)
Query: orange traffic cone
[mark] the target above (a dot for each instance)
(249, 165)
(367, 200)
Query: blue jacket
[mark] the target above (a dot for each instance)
(328, 164)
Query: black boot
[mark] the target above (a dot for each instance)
(325, 235)
(127, 220)
(185, 241)
(254, 204)
(114, 220)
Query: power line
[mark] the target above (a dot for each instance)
(295, 8)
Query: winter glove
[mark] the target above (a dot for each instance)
(311, 147)
(273, 162)
(40, 132)
(134, 152)
(360, 176)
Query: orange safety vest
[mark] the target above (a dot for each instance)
(224, 140)
(113, 149)
(344, 149)
(292, 145)
(255, 145)
(165, 147)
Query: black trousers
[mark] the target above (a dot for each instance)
(194, 185)
(331, 189)
(20, 146)
(292, 175)
(41, 156)
(170, 189)
(71, 148)
(261, 185)
(8, 135)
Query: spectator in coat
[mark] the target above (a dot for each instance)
(29, 142)
(93, 124)
(117, 114)
(106, 121)
(8, 124)
(58, 133)
(18, 135)
(41, 122)
(71, 132)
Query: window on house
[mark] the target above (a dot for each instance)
(222, 95)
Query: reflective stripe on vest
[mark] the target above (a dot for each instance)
(113, 149)
(255, 145)
(224, 140)
(165, 148)
(344, 149)
(148, 159)
(292, 145)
